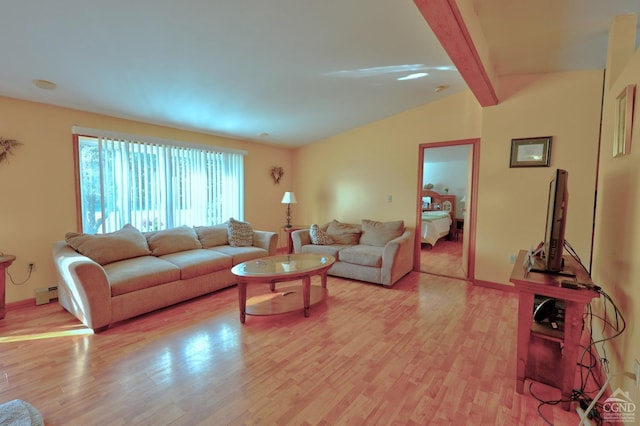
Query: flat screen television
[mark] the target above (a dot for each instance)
(556, 222)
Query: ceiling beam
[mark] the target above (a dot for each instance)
(445, 20)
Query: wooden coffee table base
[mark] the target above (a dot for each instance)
(285, 299)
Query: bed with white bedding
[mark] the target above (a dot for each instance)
(435, 225)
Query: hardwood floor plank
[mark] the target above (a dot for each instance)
(444, 259)
(430, 350)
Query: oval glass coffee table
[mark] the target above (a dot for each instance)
(281, 268)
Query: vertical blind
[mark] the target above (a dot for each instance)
(155, 184)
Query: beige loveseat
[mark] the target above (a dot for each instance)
(106, 278)
(376, 252)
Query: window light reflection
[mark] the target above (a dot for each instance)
(46, 335)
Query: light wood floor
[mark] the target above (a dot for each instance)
(445, 258)
(429, 351)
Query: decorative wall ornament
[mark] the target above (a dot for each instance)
(6, 147)
(276, 174)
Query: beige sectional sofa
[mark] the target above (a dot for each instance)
(376, 252)
(106, 278)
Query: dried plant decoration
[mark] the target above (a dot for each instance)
(276, 174)
(6, 147)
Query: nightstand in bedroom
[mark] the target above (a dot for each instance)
(458, 228)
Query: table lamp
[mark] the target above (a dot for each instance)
(288, 199)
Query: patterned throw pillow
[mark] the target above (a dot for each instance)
(318, 236)
(240, 233)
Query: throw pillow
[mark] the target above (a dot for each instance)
(107, 248)
(380, 233)
(343, 233)
(173, 240)
(318, 236)
(213, 236)
(240, 234)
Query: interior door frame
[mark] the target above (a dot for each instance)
(472, 206)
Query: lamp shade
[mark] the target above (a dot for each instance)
(289, 198)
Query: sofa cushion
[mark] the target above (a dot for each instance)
(362, 255)
(193, 263)
(343, 233)
(327, 250)
(139, 273)
(240, 234)
(212, 236)
(126, 243)
(318, 236)
(241, 254)
(172, 240)
(380, 233)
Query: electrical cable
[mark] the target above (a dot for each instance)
(542, 403)
(617, 324)
(21, 282)
(569, 248)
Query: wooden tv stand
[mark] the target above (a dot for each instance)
(558, 347)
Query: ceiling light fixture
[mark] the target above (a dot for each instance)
(45, 84)
(413, 76)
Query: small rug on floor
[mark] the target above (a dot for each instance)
(19, 413)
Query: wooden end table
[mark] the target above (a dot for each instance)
(5, 261)
(288, 231)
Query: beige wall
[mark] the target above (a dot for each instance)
(512, 202)
(38, 201)
(350, 176)
(617, 234)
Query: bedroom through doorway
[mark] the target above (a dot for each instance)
(444, 209)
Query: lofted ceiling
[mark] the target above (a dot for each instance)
(285, 72)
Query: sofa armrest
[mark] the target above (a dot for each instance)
(83, 287)
(266, 240)
(397, 258)
(300, 238)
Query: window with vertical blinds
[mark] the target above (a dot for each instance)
(154, 184)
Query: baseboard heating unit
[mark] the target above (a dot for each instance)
(46, 294)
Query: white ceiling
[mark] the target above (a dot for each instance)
(296, 70)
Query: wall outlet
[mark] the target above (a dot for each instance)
(636, 369)
(389, 199)
(512, 259)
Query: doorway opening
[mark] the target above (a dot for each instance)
(446, 208)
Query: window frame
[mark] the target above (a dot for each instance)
(80, 132)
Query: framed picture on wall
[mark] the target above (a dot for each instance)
(531, 152)
(623, 121)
